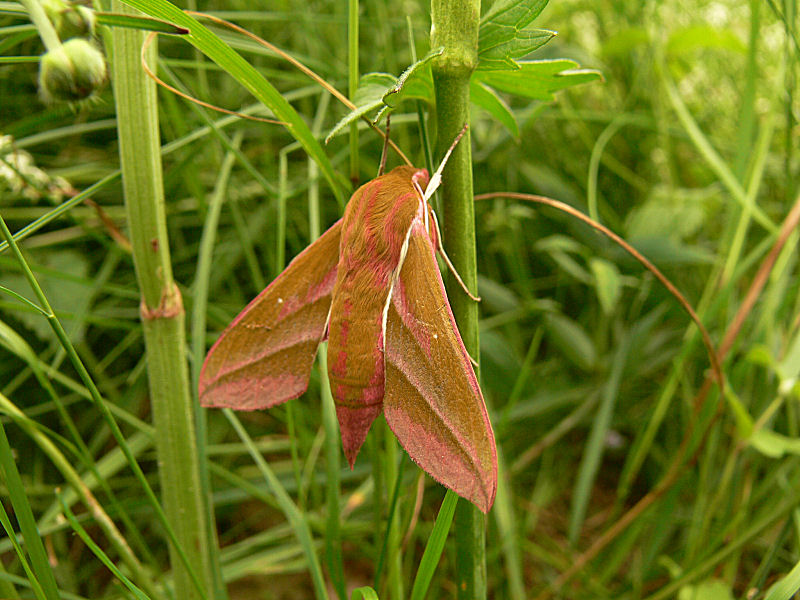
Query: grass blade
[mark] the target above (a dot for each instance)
(434, 547)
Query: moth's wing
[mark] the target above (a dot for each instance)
(265, 355)
(433, 403)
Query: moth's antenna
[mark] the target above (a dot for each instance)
(436, 179)
(384, 152)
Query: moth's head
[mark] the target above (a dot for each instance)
(420, 180)
(421, 177)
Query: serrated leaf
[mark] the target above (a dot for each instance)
(607, 282)
(488, 100)
(537, 79)
(368, 97)
(415, 82)
(504, 33)
(382, 91)
(513, 12)
(372, 88)
(505, 46)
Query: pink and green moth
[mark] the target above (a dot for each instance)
(371, 287)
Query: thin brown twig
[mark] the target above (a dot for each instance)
(149, 40)
(712, 353)
(289, 58)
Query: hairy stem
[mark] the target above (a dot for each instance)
(454, 26)
(162, 316)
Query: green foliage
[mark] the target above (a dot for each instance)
(594, 376)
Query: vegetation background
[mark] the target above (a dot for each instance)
(624, 473)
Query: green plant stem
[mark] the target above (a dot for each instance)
(352, 83)
(162, 316)
(394, 565)
(454, 26)
(43, 25)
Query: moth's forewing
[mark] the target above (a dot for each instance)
(433, 403)
(265, 355)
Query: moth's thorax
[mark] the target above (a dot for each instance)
(377, 219)
(375, 225)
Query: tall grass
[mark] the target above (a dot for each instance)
(624, 472)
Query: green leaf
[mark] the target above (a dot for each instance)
(364, 593)
(504, 33)
(710, 589)
(415, 82)
(135, 22)
(607, 283)
(514, 44)
(382, 91)
(98, 552)
(573, 341)
(785, 588)
(703, 36)
(368, 97)
(487, 99)
(507, 12)
(434, 546)
(774, 445)
(538, 79)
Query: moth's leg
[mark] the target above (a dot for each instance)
(385, 150)
(449, 264)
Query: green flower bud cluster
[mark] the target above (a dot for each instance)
(70, 20)
(75, 70)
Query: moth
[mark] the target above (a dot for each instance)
(371, 287)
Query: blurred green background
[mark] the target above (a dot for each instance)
(688, 149)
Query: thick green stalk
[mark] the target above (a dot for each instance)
(162, 314)
(454, 26)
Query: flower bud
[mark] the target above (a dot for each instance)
(70, 20)
(72, 72)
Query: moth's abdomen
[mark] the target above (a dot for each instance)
(355, 363)
(374, 228)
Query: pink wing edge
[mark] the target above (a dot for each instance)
(227, 395)
(486, 505)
